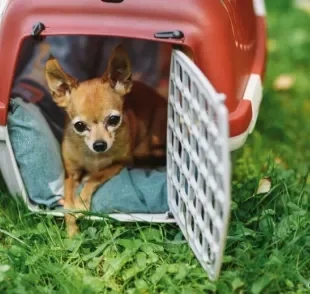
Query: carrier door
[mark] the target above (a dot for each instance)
(198, 162)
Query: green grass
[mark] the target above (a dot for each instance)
(268, 248)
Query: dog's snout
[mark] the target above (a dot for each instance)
(100, 146)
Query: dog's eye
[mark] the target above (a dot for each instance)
(114, 120)
(80, 126)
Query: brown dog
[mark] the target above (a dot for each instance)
(111, 122)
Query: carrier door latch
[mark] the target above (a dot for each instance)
(169, 35)
(37, 29)
(112, 1)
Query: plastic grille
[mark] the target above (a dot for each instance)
(198, 162)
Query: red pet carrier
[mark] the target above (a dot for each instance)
(217, 58)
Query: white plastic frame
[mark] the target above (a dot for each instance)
(198, 162)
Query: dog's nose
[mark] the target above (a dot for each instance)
(100, 146)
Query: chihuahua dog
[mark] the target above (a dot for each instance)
(112, 122)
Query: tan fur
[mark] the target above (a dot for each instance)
(140, 134)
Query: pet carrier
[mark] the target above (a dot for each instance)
(215, 89)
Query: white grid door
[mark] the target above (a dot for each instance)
(198, 164)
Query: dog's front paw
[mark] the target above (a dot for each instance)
(82, 205)
(84, 200)
(72, 230)
(71, 225)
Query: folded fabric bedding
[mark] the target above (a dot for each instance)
(133, 190)
(37, 153)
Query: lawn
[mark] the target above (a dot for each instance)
(268, 247)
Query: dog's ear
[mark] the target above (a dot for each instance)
(119, 71)
(59, 83)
